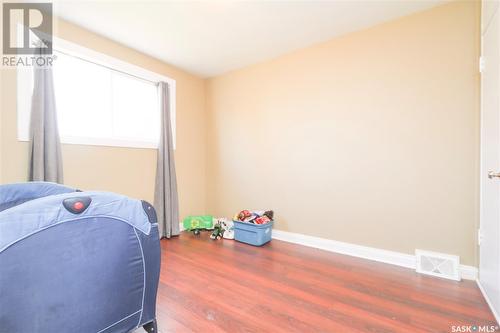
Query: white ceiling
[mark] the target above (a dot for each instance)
(209, 38)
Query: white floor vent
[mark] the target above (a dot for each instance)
(438, 264)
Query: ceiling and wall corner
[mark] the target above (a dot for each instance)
(209, 38)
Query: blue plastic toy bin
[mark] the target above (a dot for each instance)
(253, 234)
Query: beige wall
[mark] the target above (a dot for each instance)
(371, 138)
(123, 170)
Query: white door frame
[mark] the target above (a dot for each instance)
(490, 11)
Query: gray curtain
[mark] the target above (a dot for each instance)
(45, 161)
(166, 199)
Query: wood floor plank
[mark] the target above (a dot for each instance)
(227, 286)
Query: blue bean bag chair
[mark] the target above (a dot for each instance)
(79, 262)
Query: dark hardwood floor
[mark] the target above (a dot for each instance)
(226, 286)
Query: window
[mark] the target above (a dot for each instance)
(99, 100)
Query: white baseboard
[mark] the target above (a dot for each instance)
(468, 272)
(495, 313)
(371, 253)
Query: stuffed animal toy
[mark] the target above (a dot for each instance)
(244, 214)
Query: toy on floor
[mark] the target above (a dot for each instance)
(255, 217)
(197, 223)
(223, 228)
(228, 227)
(218, 232)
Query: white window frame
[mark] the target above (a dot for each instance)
(72, 49)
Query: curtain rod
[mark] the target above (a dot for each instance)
(107, 67)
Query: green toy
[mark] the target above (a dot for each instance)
(218, 232)
(197, 223)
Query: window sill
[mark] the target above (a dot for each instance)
(104, 142)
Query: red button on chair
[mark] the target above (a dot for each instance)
(78, 205)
